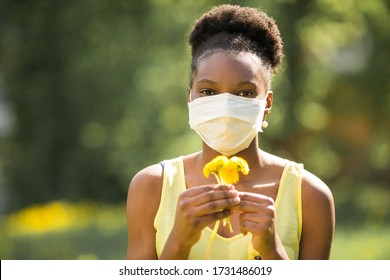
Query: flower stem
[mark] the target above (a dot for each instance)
(212, 237)
(216, 177)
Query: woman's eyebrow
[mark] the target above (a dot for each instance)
(239, 84)
(206, 81)
(244, 83)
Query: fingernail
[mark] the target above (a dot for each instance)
(234, 192)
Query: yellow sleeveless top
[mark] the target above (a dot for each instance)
(288, 208)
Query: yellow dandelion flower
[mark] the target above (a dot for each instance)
(242, 165)
(229, 173)
(214, 166)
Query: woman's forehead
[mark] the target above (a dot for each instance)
(228, 65)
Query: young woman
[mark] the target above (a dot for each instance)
(278, 210)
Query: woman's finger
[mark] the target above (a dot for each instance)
(206, 188)
(213, 195)
(216, 205)
(250, 202)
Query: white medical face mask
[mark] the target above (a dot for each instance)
(227, 123)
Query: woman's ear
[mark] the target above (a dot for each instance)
(269, 98)
(189, 95)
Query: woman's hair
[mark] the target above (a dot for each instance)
(237, 29)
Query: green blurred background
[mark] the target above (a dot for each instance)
(91, 91)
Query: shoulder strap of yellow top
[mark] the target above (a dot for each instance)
(173, 185)
(288, 207)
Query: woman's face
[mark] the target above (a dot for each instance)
(236, 73)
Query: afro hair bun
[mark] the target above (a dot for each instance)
(252, 24)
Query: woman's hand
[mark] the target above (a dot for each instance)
(198, 207)
(201, 206)
(258, 217)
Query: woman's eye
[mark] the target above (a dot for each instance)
(207, 92)
(245, 93)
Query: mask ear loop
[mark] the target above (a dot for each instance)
(189, 99)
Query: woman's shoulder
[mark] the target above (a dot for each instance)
(150, 179)
(143, 198)
(146, 185)
(150, 175)
(318, 213)
(142, 203)
(316, 192)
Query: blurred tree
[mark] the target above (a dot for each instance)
(68, 70)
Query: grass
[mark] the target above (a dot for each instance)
(67, 231)
(362, 243)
